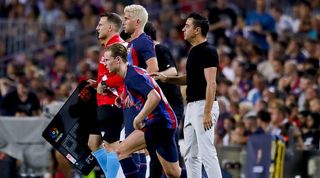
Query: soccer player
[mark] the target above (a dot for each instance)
(141, 54)
(155, 116)
(172, 92)
(109, 86)
(202, 110)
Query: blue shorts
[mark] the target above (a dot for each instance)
(129, 114)
(162, 140)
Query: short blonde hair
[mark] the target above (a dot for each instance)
(137, 12)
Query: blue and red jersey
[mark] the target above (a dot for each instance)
(140, 50)
(138, 85)
(113, 81)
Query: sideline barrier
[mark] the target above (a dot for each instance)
(20, 138)
(303, 163)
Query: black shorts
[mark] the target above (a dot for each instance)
(162, 140)
(88, 120)
(110, 121)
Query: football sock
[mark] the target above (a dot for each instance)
(129, 168)
(102, 158)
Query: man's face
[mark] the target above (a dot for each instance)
(22, 89)
(103, 28)
(110, 62)
(128, 23)
(189, 31)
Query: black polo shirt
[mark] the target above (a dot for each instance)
(200, 57)
(172, 92)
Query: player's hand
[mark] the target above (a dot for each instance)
(127, 102)
(118, 102)
(99, 88)
(159, 76)
(85, 94)
(92, 83)
(138, 124)
(207, 121)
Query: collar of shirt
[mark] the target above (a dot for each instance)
(115, 39)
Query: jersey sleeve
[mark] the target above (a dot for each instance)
(145, 49)
(210, 58)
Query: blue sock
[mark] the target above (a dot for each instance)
(183, 173)
(102, 158)
(129, 168)
(142, 165)
(113, 165)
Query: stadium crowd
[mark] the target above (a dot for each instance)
(268, 79)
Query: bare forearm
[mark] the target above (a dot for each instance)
(170, 72)
(178, 80)
(210, 96)
(150, 104)
(152, 65)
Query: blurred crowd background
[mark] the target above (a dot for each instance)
(269, 51)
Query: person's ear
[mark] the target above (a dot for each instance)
(198, 30)
(118, 58)
(138, 21)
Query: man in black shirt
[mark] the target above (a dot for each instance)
(167, 66)
(21, 102)
(202, 111)
(221, 17)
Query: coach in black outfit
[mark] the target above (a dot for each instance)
(202, 110)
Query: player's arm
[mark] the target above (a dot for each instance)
(210, 76)
(172, 71)
(152, 65)
(178, 80)
(151, 103)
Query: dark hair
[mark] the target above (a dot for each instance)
(113, 18)
(150, 30)
(264, 116)
(118, 49)
(125, 36)
(200, 21)
(277, 8)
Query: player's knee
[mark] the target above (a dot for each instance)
(94, 142)
(93, 146)
(172, 173)
(121, 152)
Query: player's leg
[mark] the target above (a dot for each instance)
(63, 165)
(95, 142)
(110, 123)
(192, 159)
(166, 150)
(171, 169)
(205, 139)
(134, 142)
(129, 115)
